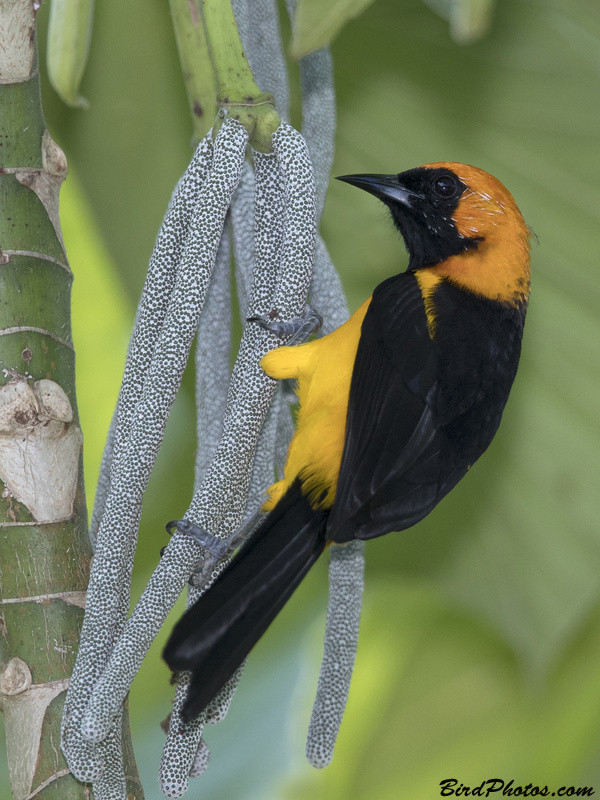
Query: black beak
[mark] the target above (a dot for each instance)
(385, 187)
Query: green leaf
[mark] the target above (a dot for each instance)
(319, 21)
(469, 19)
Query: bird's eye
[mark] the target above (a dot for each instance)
(445, 186)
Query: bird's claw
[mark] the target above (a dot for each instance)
(215, 549)
(299, 329)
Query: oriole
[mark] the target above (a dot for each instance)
(394, 406)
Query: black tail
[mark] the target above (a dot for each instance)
(216, 634)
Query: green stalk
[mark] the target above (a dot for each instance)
(238, 96)
(44, 544)
(196, 65)
(69, 34)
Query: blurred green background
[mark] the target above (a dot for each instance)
(479, 654)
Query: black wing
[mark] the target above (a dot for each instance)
(397, 463)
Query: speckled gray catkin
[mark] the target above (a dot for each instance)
(152, 307)
(163, 333)
(222, 496)
(258, 24)
(242, 225)
(261, 38)
(267, 235)
(346, 574)
(212, 378)
(111, 784)
(281, 279)
(180, 749)
(327, 296)
(162, 382)
(108, 593)
(200, 760)
(270, 232)
(213, 350)
(163, 271)
(318, 117)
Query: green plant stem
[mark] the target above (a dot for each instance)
(196, 64)
(238, 96)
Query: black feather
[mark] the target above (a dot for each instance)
(422, 409)
(216, 634)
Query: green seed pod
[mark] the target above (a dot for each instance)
(69, 33)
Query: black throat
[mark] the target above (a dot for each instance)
(427, 225)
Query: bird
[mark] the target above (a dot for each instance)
(394, 406)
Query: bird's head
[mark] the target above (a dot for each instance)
(461, 222)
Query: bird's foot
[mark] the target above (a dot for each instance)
(214, 548)
(299, 329)
(217, 547)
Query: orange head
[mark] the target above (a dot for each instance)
(461, 224)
